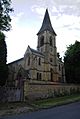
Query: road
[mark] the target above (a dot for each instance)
(70, 111)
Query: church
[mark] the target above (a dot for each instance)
(42, 64)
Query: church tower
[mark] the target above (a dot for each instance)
(47, 44)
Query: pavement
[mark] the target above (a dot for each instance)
(26, 109)
(70, 111)
(15, 111)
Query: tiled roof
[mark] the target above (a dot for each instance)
(15, 61)
(46, 25)
(37, 52)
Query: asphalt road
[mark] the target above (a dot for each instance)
(70, 111)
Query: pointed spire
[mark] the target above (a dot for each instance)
(46, 25)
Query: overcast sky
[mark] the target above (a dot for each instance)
(27, 19)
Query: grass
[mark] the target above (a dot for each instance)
(40, 104)
(46, 103)
(14, 108)
(12, 105)
(19, 107)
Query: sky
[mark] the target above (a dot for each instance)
(27, 20)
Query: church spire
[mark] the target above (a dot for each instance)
(46, 25)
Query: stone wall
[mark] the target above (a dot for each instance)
(10, 94)
(39, 90)
(13, 94)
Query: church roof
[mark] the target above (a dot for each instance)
(16, 61)
(37, 52)
(46, 25)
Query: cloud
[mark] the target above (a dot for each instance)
(54, 9)
(65, 20)
(37, 9)
(19, 38)
(16, 18)
(64, 15)
(67, 28)
(58, 7)
(20, 14)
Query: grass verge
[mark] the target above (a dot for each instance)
(52, 102)
(12, 105)
(24, 107)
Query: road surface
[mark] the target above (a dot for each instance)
(70, 111)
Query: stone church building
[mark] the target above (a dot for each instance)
(42, 64)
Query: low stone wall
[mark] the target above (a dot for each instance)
(39, 90)
(13, 94)
(10, 94)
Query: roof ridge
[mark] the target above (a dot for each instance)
(36, 51)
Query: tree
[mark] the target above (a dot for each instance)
(3, 59)
(58, 55)
(5, 19)
(72, 63)
(5, 9)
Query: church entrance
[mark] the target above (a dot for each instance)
(20, 82)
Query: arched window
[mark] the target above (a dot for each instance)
(51, 60)
(59, 67)
(51, 41)
(39, 76)
(39, 61)
(51, 71)
(42, 41)
(28, 61)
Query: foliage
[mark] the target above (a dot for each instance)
(5, 9)
(5, 19)
(72, 63)
(3, 56)
(58, 55)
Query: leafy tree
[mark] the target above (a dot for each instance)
(72, 63)
(58, 55)
(3, 59)
(5, 9)
(5, 19)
